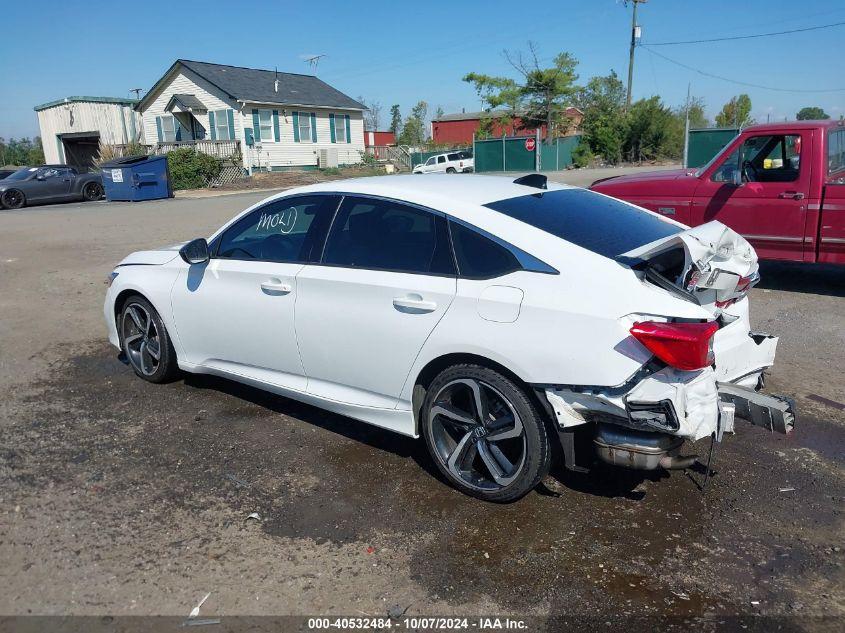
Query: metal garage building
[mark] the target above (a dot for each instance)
(72, 128)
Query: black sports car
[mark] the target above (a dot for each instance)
(48, 183)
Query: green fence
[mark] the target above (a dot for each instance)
(508, 153)
(559, 154)
(512, 153)
(704, 144)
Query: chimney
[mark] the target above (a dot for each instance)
(276, 81)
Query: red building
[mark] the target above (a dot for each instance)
(459, 128)
(378, 138)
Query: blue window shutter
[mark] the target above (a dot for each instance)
(230, 118)
(348, 139)
(276, 134)
(331, 127)
(256, 126)
(295, 126)
(212, 126)
(313, 128)
(158, 129)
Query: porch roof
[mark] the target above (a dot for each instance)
(185, 103)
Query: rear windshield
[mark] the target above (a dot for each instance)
(595, 222)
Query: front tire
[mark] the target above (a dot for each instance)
(484, 434)
(12, 199)
(92, 191)
(145, 341)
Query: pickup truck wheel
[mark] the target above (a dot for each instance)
(92, 191)
(12, 199)
(451, 170)
(484, 434)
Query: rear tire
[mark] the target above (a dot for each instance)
(12, 199)
(451, 170)
(92, 191)
(145, 341)
(484, 434)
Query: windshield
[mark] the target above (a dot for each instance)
(21, 174)
(701, 170)
(603, 225)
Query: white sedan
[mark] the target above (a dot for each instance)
(492, 317)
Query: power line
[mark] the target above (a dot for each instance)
(735, 81)
(748, 37)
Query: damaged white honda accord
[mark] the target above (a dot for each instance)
(490, 316)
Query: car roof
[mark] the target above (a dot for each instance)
(437, 191)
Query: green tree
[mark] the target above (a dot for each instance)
(736, 112)
(539, 96)
(20, 152)
(395, 120)
(438, 114)
(811, 113)
(602, 101)
(413, 130)
(652, 131)
(697, 118)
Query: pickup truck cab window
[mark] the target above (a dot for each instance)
(771, 158)
(836, 152)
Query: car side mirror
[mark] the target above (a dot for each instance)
(195, 251)
(736, 177)
(40, 177)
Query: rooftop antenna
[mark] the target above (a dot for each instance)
(137, 92)
(313, 61)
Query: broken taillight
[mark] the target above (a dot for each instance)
(686, 346)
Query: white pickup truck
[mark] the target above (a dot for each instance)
(448, 163)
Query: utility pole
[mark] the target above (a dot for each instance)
(686, 132)
(635, 32)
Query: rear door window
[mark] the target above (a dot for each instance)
(387, 235)
(479, 257)
(441, 159)
(590, 220)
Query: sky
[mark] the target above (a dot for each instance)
(401, 52)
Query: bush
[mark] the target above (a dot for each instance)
(582, 156)
(190, 169)
(109, 152)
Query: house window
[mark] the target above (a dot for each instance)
(221, 126)
(305, 127)
(168, 128)
(265, 122)
(340, 128)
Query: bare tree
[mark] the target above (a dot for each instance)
(372, 115)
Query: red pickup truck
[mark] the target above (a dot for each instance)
(782, 186)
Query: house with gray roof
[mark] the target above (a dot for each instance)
(261, 119)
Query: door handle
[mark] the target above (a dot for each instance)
(276, 287)
(794, 195)
(413, 304)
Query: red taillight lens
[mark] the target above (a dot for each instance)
(685, 346)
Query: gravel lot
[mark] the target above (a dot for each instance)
(125, 498)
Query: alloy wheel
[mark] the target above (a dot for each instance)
(141, 339)
(477, 434)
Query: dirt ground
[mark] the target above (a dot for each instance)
(123, 498)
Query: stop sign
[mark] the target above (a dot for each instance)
(530, 144)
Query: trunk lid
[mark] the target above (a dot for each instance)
(710, 264)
